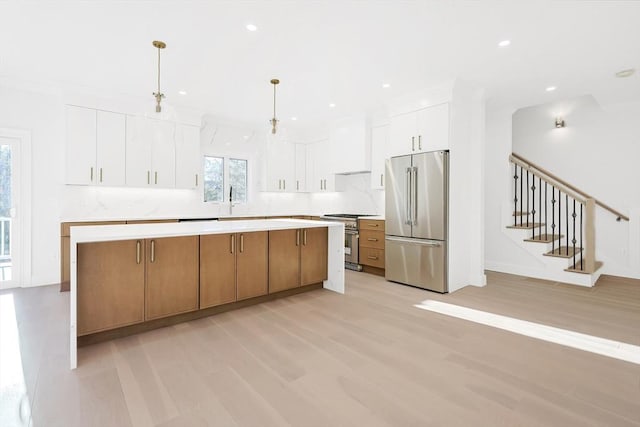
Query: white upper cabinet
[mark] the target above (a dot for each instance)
(188, 157)
(150, 153)
(81, 145)
(379, 142)
(419, 131)
(319, 175)
(350, 140)
(95, 147)
(110, 149)
(301, 168)
(280, 167)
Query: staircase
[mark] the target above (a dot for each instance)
(555, 223)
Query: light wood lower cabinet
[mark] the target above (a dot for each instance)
(111, 285)
(297, 258)
(172, 276)
(371, 249)
(233, 267)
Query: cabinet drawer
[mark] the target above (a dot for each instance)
(372, 239)
(372, 257)
(371, 224)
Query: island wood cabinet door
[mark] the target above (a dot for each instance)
(217, 269)
(252, 264)
(110, 297)
(172, 266)
(313, 255)
(284, 260)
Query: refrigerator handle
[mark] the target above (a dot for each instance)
(407, 176)
(414, 182)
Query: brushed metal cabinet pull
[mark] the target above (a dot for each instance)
(297, 185)
(233, 243)
(372, 239)
(148, 177)
(413, 143)
(321, 184)
(138, 247)
(284, 184)
(153, 251)
(297, 237)
(156, 177)
(100, 174)
(419, 142)
(304, 237)
(381, 180)
(241, 243)
(91, 173)
(372, 257)
(196, 180)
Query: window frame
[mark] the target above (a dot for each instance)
(226, 179)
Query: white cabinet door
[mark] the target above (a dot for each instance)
(301, 168)
(350, 145)
(163, 154)
(110, 149)
(280, 166)
(138, 152)
(433, 128)
(188, 157)
(319, 163)
(379, 141)
(81, 146)
(402, 134)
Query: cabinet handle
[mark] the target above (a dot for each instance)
(233, 243)
(372, 239)
(374, 224)
(138, 247)
(297, 185)
(91, 173)
(156, 177)
(196, 180)
(284, 184)
(413, 143)
(304, 237)
(372, 257)
(241, 243)
(153, 251)
(321, 184)
(297, 237)
(148, 177)
(381, 180)
(419, 142)
(100, 174)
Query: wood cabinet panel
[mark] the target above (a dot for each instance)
(372, 256)
(172, 276)
(217, 269)
(252, 267)
(371, 224)
(110, 285)
(372, 239)
(313, 255)
(284, 260)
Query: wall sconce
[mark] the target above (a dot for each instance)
(559, 122)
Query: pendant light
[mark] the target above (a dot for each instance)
(274, 120)
(158, 95)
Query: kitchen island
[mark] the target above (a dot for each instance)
(284, 236)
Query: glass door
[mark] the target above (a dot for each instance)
(9, 222)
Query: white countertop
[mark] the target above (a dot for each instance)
(101, 233)
(376, 218)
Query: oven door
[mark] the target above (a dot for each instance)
(351, 242)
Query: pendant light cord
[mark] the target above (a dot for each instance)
(158, 70)
(274, 101)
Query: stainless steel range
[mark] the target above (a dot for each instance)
(351, 237)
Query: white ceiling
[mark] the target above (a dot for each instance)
(322, 51)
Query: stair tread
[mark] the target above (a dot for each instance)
(525, 226)
(541, 238)
(573, 268)
(563, 252)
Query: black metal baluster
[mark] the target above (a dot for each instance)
(540, 204)
(553, 218)
(527, 198)
(521, 197)
(566, 209)
(581, 236)
(533, 206)
(559, 221)
(573, 240)
(515, 194)
(545, 210)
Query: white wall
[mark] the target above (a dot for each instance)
(597, 152)
(53, 202)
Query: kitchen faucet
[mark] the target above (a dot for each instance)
(231, 200)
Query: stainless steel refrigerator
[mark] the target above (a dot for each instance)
(416, 220)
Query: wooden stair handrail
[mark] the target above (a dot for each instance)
(574, 192)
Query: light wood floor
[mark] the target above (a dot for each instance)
(367, 358)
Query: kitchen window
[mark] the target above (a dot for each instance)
(221, 174)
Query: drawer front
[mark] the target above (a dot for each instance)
(371, 224)
(372, 257)
(372, 239)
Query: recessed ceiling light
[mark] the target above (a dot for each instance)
(251, 27)
(182, 92)
(625, 73)
(386, 85)
(332, 105)
(504, 43)
(551, 88)
(294, 118)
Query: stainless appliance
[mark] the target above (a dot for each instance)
(351, 237)
(416, 213)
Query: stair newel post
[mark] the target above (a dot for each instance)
(590, 236)
(515, 194)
